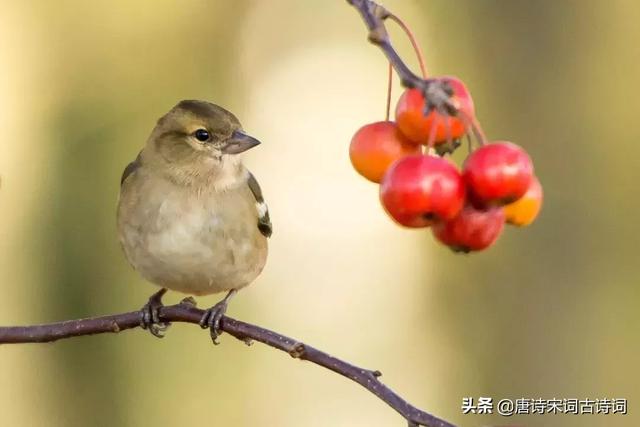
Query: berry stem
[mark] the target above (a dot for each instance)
(432, 134)
(389, 87)
(477, 131)
(472, 124)
(417, 50)
(414, 43)
(469, 141)
(419, 54)
(448, 130)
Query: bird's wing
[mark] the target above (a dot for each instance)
(131, 168)
(264, 222)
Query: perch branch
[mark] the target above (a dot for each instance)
(240, 330)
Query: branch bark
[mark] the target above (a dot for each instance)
(241, 330)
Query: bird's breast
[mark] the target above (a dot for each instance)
(197, 243)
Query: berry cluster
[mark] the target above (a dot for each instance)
(465, 209)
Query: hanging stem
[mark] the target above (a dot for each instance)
(414, 43)
(472, 124)
(419, 54)
(389, 87)
(432, 134)
(416, 49)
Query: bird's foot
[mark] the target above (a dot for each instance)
(150, 315)
(213, 317)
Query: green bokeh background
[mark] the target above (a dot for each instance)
(551, 311)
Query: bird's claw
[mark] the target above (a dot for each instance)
(212, 318)
(150, 315)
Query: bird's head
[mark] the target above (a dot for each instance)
(198, 138)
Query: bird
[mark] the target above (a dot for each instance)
(191, 217)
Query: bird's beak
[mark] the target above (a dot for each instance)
(238, 143)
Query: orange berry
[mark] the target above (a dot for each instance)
(524, 211)
(416, 126)
(376, 146)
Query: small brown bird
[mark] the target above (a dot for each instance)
(191, 217)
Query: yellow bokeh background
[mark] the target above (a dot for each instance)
(551, 311)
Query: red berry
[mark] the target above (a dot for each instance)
(417, 127)
(419, 190)
(471, 230)
(376, 146)
(497, 174)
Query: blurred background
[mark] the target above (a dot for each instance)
(550, 312)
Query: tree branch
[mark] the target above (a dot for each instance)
(240, 330)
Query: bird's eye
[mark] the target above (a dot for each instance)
(202, 135)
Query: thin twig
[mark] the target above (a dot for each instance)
(436, 92)
(243, 331)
